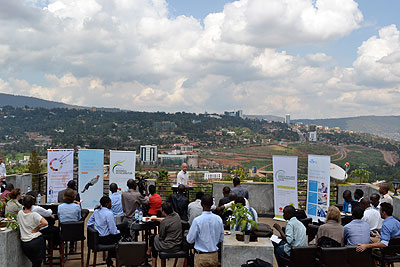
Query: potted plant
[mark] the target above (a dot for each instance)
(241, 220)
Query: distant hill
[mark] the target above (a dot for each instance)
(265, 117)
(385, 126)
(32, 102)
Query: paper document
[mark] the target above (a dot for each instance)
(275, 239)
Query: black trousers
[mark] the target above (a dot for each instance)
(35, 250)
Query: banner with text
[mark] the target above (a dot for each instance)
(91, 175)
(122, 167)
(285, 183)
(60, 170)
(318, 186)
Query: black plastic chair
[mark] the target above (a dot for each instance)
(355, 258)
(94, 245)
(389, 254)
(327, 242)
(312, 231)
(72, 232)
(332, 257)
(131, 254)
(302, 257)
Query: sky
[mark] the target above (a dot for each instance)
(307, 58)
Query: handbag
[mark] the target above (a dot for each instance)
(257, 263)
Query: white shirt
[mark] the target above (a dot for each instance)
(386, 198)
(373, 218)
(42, 212)
(27, 223)
(228, 205)
(2, 170)
(194, 210)
(182, 178)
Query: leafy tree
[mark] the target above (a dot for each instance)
(361, 174)
(34, 163)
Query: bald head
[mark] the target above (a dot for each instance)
(184, 167)
(383, 188)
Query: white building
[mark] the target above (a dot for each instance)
(186, 149)
(287, 118)
(312, 136)
(212, 176)
(148, 154)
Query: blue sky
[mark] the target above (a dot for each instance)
(309, 58)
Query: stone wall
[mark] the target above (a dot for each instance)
(261, 195)
(11, 253)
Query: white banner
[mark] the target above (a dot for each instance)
(318, 186)
(122, 167)
(285, 184)
(60, 170)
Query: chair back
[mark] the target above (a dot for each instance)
(393, 248)
(306, 222)
(303, 256)
(333, 257)
(312, 231)
(131, 253)
(355, 258)
(92, 238)
(72, 231)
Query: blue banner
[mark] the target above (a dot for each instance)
(91, 174)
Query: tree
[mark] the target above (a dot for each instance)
(34, 163)
(361, 174)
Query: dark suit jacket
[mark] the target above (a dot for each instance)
(180, 204)
(61, 196)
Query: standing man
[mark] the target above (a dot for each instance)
(384, 191)
(3, 174)
(240, 191)
(206, 232)
(183, 175)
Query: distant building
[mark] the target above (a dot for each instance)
(212, 176)
(312, 136)
(237, 114)
(164, 125)
(148, 154)
(287, 119)
(196, 121)
(186, 149)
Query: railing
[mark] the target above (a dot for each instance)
(39, 183)
(164, 189)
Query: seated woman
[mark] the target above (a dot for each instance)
(69, 211)
(154, 201)
(13, 206)
(332, 232)
(103, 221)
(33, 244)
(170, 237)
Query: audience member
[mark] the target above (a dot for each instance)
(225, 191)
(371, 216)
(183, 175)
(195, 209)
(13, 206)
(375, 201)
(238, 189)
(132, 200)
(33, 244)
(69, 211)
(155, 201)
(206, 232)
(170, 236)
(332, 228)
(103, 222)
(348, 202)
(116, 204)
(357, 231)
(232, 197)
(390, 228)
(180, 202)
(71, 185)
(384, 191)
(358, 195)
(42, 212)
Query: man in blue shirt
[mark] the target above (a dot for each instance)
(348, 202)
(206, 232)
(390, 228)
(116, 204)
(103, 221)
(294, 236)
(357, 231)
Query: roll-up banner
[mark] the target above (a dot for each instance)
(60, 170)
(122, 167)
(285, 184)
(318, 186)
(91, 175)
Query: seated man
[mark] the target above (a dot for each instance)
(103, 221)
(206, 232)
(169, 238)
(155, 201)
(357, 231)
(294, 236)
(371, 215)
(225, 191)
(358, 195)
(180, 202)
(375, 198)
(132, 199)
(195, 209)
(390, 228)
(232, 197)
(348, 202)
(116, 204)
(71, 185)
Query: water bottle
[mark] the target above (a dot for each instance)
(140, 215)
(39, 198)
(29, 188)
(136, 214)
(349, 209)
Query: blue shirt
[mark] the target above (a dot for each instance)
(116, 204)
(357, 232)
(390, 228)
(346, 206)
(69, 212)
(104, 222)
(295, 232)
(206, 232)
